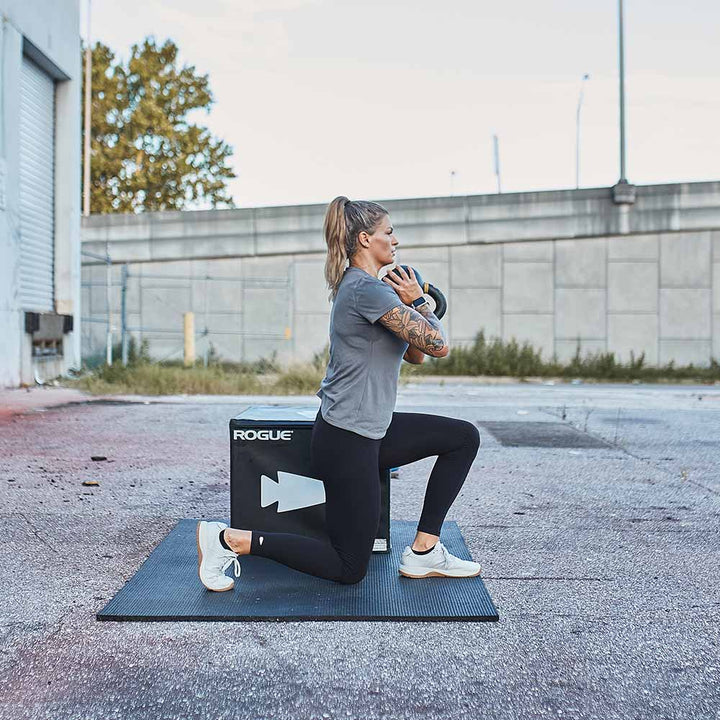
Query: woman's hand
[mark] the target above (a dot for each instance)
(405, 286)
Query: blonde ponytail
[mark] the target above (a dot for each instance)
(344, 219)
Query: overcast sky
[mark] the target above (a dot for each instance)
(382, 99)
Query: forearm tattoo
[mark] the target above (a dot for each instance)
(423, 331)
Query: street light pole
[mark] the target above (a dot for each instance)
(496, 157)
(622, 92)
(577, 132)
(624, 194)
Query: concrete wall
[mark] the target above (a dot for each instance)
(549, 267)
(49, 31)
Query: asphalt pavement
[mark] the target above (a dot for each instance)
(603, 563)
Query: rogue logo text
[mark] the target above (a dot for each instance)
(262, 434)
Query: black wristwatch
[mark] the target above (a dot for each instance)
(419, 302)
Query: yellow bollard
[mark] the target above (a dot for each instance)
(189, 331)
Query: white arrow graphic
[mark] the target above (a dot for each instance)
(291, 492)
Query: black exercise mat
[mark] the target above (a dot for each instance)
(167, 587)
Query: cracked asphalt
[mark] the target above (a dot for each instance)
(603, 564)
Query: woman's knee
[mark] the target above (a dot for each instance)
(352, 574)
(471, 434)
(353, 578)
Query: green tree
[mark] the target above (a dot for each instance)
(145, 154)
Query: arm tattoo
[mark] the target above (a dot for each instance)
(424, 331)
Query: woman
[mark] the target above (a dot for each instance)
(374, 325)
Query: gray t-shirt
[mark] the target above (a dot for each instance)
(359, 389)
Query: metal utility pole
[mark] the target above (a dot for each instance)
(622, 93)
(496, 154)
(577, 131)
(108, 306)
(123, 315)
(88, 100)
(624, 194)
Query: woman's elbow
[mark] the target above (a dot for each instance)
(442, 352)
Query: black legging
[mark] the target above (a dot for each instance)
(349, 466)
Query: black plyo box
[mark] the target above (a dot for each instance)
(271, 485)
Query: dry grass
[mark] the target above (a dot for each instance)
(158, 379)
(488, 358)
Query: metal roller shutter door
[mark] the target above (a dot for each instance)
(37, 188)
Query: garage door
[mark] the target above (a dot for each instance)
(37, 188)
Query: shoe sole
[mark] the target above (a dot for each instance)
(434, 573)
(200, 559)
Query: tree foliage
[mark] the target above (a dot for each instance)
(145, 153)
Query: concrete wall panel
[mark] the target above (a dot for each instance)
(473, 266)
(211, 296)
(216, 285)
(219, 323)
(684, 352)
(580, 263)
(685, 259)
(93, 338)
(263, 348)
(471, 310)
(432, 235)
(133, 294)
(535, 329)
(275, 267)
(311, 291)
(633, 333)
(580, 313)
(684, 314)
(266, 310)
(632, 287)
(311, 334)
(181, 268)
(97, 305)
(230, 268)
(164, 310)
(633, 247)
(527, 251)
(565, 349)
(412, 255)
(716, 286)
(437, 274)
(528, 287)
(165, 347)
(226, 346)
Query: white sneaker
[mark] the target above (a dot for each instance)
(213, 558)
(439, 562)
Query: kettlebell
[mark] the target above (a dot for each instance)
(428, 289)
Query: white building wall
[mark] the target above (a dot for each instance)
(47, 31)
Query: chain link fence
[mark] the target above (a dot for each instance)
(237, 317)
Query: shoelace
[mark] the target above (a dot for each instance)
(230, 561)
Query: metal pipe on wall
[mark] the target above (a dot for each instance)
(88, 101)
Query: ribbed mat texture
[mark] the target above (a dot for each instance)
(167, 587)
